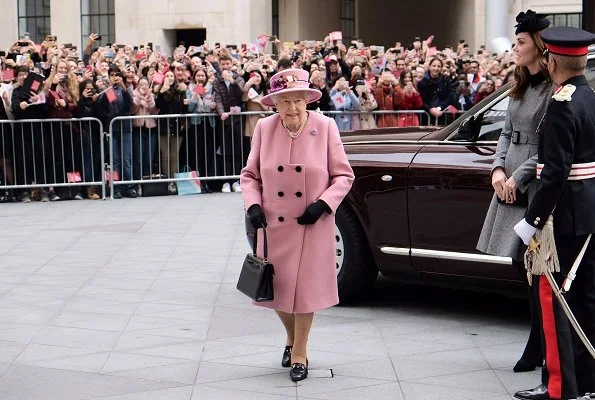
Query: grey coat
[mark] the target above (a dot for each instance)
(518, 160)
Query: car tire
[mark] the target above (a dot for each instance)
(358, 272)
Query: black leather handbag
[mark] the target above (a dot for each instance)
(256, 278)
(522, 200)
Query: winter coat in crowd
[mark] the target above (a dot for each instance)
(411, 101)
(144, 104)
(436, 92)
(388, 98)
(350, 102)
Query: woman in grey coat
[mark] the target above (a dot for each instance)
(513, 171)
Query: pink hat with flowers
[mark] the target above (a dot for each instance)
(290, 80)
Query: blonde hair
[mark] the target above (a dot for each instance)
(71, 85)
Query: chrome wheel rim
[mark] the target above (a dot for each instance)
(339, 249)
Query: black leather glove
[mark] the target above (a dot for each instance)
(313, 213)
(257, 218)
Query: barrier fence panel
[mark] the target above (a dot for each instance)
(163, 148)
(170, 149)
(52, 155)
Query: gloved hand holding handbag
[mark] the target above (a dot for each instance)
(257, 217)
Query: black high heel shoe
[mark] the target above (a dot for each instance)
(286, 360)
(298, 371)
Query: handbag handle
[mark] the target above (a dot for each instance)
(255, 242)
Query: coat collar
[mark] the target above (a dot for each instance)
(578, 80)
(310, 128)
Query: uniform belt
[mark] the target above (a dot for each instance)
(578, 171)
(523, 138)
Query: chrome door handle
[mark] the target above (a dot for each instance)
(387, 178)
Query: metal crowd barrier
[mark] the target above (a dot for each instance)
(51, 153)
(177, 143)
(65, 153)
(214, 149)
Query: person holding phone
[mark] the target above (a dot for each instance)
(116, 101)
(29, 151)
(484, 89)
(91, 137)
(343, 99)
(318, 82)
(367, 103)
(171, 99)
(228, 90)
(388, 95)
(201, 139)
(411, 100)
(514, 168)
(254, 89)
(144, 135)
(62, 93)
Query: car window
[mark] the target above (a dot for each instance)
(489, 113)
(591, 72)
(492, 121)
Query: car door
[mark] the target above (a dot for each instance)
(380, 193)
(449, 192)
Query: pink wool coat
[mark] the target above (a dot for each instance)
(284, 176)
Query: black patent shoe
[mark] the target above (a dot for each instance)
(286, 360)
(538, 393)
(298, 372)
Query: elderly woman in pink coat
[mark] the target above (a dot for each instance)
(296, 176)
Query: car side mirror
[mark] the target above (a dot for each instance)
(465, 131)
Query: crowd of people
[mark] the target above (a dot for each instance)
(52, 80)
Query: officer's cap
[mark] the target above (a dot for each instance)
(567, 41)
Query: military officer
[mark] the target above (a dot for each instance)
(566, 172)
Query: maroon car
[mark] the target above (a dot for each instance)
(418, 204)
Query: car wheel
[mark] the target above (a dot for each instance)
(356, 270)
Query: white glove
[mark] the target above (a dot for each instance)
(525, 231)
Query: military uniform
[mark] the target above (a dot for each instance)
(566, 172)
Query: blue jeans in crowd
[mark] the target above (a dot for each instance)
(144, 145)
(122, 148)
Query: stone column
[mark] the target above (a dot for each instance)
(496, 23)
(9, 30)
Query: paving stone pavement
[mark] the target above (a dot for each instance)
(136, 299)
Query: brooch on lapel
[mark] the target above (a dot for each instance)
(314, 131)
(564, 93)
